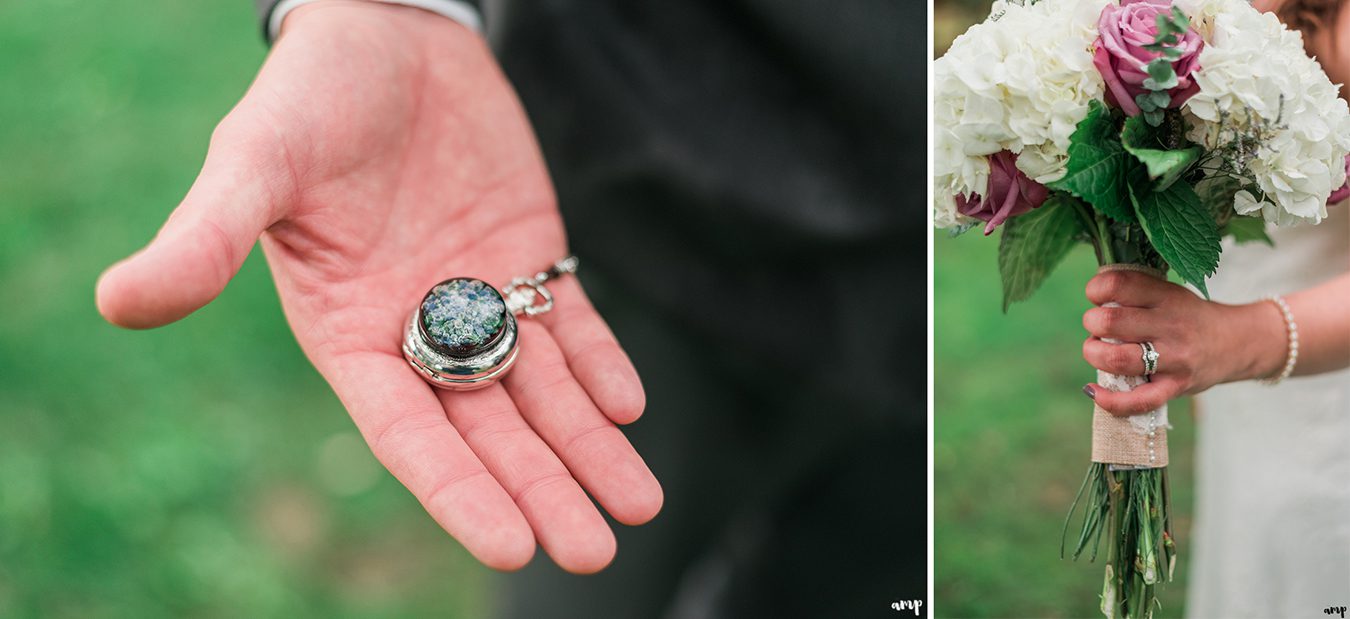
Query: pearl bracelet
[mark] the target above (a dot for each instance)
(1292, 328)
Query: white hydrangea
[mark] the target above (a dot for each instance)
(1256, 78)
(1202, 13)
(1020, 81)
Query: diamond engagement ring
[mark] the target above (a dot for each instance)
(1150, 358)
(463, 334)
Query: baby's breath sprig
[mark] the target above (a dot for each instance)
(1238, 138)
(1242, 135)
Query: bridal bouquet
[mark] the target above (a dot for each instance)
(1149, 129)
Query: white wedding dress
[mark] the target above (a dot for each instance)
(1272, 527)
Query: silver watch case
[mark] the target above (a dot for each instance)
(461, 374)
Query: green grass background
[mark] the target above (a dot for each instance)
(1012, 428)
(203, 469)
(1012, 440)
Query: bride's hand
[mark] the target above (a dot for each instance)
(379, 151)
(1200, 343)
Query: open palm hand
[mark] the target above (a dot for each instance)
(379, 151)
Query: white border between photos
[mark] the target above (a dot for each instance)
(928, 232)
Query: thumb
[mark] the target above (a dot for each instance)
(239, 192)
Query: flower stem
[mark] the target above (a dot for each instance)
(1106, 251)
(1131, 507)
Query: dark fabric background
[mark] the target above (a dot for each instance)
(753, 168)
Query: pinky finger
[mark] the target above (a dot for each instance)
(1142, 399)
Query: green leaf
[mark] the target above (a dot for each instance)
(1160, 99)
(1180, 20)
(1182, 230)
(1167, 34)
(1146, 103)
(1161, 75)
(1033, 243)
(1171, 26)
(1248, 230)
(1216, 194)
(1161, 25)
(1163, 166)
(1099, 168)
(960, 229)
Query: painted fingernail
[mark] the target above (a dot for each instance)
(1089, 391)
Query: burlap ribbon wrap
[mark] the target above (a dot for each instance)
(1137, 441)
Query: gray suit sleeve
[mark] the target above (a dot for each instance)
(264, 14)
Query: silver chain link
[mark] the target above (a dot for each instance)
(529, 296)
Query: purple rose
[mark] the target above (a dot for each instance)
(1010, 193)
(1344, 191)
(1119, 55)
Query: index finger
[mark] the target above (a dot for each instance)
(1128, 288)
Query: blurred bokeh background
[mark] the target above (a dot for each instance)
(1012, 429)
(199, 470)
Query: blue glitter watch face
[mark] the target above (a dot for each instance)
(462, 316)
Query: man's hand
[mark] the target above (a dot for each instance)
(379, 151)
